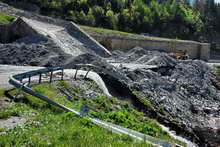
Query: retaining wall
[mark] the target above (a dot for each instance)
(195, 50)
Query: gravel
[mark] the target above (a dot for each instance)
(185, 93)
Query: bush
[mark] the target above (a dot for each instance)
(5, 18)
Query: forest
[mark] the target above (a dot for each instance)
(163, 18)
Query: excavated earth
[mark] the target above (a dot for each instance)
(32, 51)
(183, 95)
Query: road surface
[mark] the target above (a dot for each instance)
(7, 70)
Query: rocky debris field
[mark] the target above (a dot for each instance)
(184, 95)
(184, 91)
(181, 94)
(31, 50)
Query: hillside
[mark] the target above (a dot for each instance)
(143, 86)
(42, 119)
(165, 19)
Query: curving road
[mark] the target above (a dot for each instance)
(7, 70)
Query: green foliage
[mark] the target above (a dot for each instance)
(2, 130)
(217, 69)
(143, 99)
(11, 110)
(2, 92)
(48, 121)
(167, 19)
(5, 18)
(108, 32)
(63, 84)
(46, 127)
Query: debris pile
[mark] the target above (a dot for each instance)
(185, 93)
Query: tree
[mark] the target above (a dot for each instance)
(99, 14)
(111, 20)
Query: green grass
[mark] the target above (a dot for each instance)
(217, 69)
(108, 108)
(50, 126)
(2, 130)
(5, 18)
(8, 112)
(108, 32)
(2, 92)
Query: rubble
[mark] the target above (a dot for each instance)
(182, 94)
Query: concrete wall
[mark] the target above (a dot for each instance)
(194, 49)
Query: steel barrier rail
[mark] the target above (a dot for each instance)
(16, 81)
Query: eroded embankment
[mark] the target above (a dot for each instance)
(181, 94)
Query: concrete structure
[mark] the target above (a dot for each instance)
(195, 50)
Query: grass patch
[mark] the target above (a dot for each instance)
(48, 126)
(5, 18)
(112, 110)
(108, 32)
(2, 92)
(217, 69)
(52, 126)
(143, 99)
(11, 110)
(2, 130)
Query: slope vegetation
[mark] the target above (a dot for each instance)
(47, 120)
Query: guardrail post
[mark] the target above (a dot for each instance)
(40, 77)
(29, 80)
(51, 76)
(75, 74)
(62, 74)
(87, 74)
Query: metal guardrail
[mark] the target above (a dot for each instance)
(16, 81)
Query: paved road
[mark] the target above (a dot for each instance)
(7, 70)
